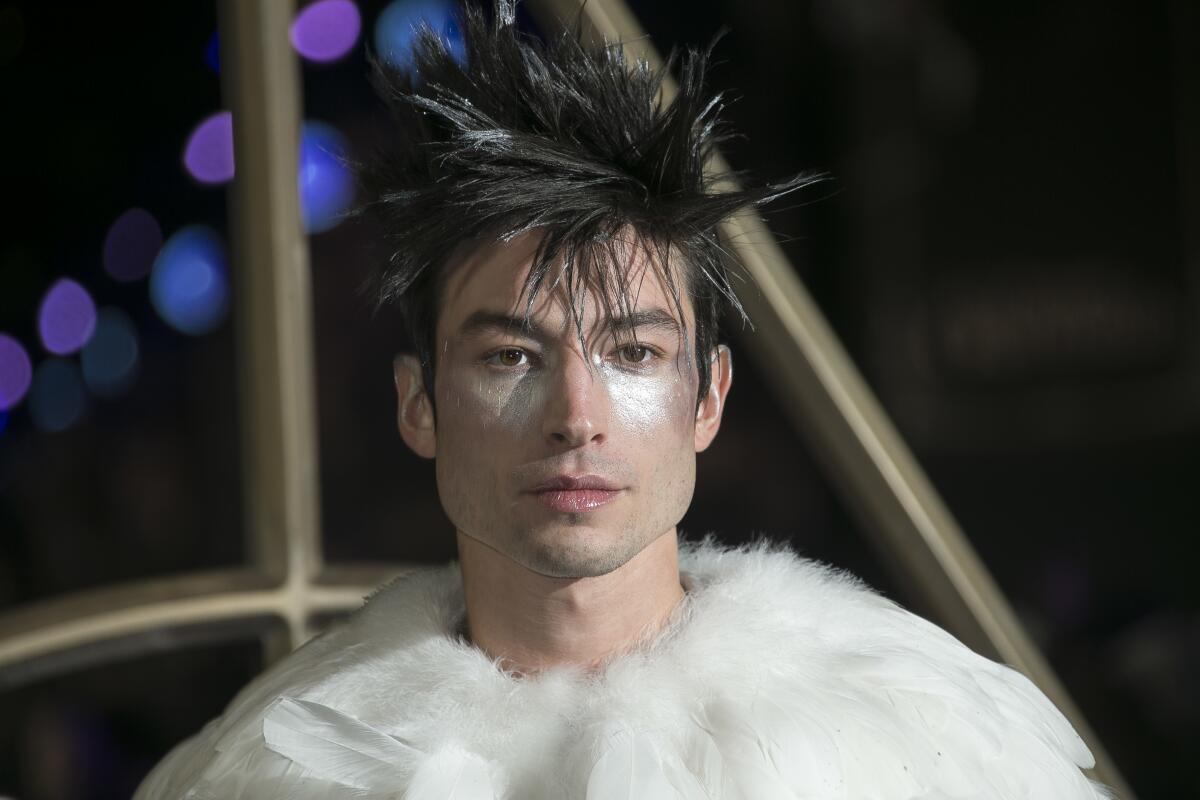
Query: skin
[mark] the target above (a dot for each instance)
(518, 405)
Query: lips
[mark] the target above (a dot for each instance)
(575, 483)
(575, 493)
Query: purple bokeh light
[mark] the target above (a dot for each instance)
(208, 156)
(131, 245)
(326, 30)
(66, 317)
(16, 372)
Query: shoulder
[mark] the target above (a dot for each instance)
(347, 666)
(866, 697)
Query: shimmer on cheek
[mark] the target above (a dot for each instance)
(645, 402)
(495, 399)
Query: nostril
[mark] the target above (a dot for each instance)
(575, 435)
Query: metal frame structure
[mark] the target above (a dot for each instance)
(286, 585)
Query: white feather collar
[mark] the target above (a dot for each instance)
(776, 678)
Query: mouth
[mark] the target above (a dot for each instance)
(575, 493)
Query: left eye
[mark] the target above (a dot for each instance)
(508, 357)
(635, 354)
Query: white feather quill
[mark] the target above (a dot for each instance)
(451, 774)
(338, 747)
(633, 768)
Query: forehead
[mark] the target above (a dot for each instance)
(493, 277)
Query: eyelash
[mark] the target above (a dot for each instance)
(492, 357)
(650, 354)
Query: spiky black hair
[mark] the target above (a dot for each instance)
(569, 140)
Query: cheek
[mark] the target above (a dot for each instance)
(479, 408)
(656, 418)
(652, 406)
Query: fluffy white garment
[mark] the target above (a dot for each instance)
(777, 677)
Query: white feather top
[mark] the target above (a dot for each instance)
(776, 678)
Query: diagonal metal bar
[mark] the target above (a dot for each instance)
(830, 403)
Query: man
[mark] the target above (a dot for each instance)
(556, 258)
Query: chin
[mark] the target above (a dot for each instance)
(576, 552)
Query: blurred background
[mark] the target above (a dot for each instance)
(1010, 251)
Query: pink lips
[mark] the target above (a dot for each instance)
(568, 493)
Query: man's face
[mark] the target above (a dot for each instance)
(567, 457)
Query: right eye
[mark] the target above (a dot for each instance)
(508, 357)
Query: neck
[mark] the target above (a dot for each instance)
(531, 622)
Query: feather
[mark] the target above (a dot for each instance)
(633, 767)
(704, 761)
(770, 754)
(336, 746)
(452, 774)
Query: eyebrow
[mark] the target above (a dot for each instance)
(483, 322)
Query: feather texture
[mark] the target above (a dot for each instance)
(451, 774)
(777, 678)
(634, 766)
(336, 746)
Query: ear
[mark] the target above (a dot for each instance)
(414, 413)
(708, 415)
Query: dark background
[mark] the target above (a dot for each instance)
(1009, 250)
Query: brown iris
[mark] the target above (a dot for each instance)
(510, 357)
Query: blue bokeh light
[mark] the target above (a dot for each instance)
(326, 184)
(3, 421)
(397, 25)
(110, 358)
(57, 399)
(212, 53)
(189, 286)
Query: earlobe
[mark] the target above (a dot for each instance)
(708, 415)
(414, 413)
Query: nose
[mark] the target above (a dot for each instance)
(577, 408)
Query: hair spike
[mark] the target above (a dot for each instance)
(559, 137)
